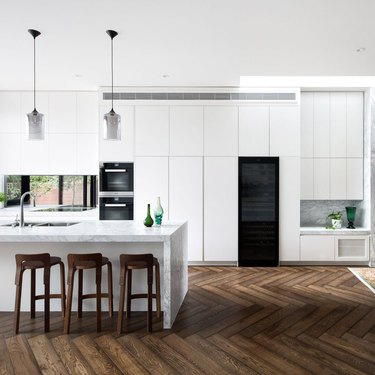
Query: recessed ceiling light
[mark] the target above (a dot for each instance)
(361, 49)
(165, 75)
(78, 75)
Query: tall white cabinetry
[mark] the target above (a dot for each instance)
(332, 145)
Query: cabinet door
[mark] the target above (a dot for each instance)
(338, 178)
(221, 131)
(307, 179)
(355, 124)
(87, 154)
(352, 248)
(150, 181)
(186, 199)
(254, 131)
(10, 151)
(289, 215)
(35, 156)
(307, 124)
(112, 151)
(87, 112)
(285, 131)
(338, 124)
(186, 131)
(62, 154)
(354, 181)
(220, 209)
(321, 125)
(10, 108)
(62, 112)
(321, 179)
(317, 248)
(151, 131)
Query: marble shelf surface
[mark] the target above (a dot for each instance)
(335, 232)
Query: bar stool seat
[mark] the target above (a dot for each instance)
(129, 262)
(81, 262)
(33, 262)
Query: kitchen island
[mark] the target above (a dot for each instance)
(111, 238)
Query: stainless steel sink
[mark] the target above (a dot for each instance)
(48, 224)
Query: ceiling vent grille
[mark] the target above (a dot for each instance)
(250, 96)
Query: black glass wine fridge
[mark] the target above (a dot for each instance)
(258, 221)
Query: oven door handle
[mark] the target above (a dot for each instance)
(115, 170)
(114, 204)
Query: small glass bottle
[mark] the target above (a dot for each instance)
(148, 222)
(158, 212)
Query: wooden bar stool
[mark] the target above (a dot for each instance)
(82, 262)
(135, 262)
(33, 262)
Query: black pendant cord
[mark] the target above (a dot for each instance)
(34, 78)
(112, 68)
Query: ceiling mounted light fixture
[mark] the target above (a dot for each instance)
(35, 119)
(112, 120)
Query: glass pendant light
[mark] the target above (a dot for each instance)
(35, 119)
(112, 120)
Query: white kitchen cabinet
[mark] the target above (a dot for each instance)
(62, 112)
(151, 130)
(322, 178)
(123, 150)
(289, 206)
(186, 131)
(221, 131)
(151, 178)
(307, 124)
(354, 181)
(186, 199)
(35, 156)
(87, 112)
(307, 179)
(220, 209)
(352, 248)
(321, 124)
(254, 131)
(62, 154)
(317, 248)
(338, 124)
(10, 108)
(338, 178)
(285, 133)
(355, 124)
(10, 151)
(87, 154)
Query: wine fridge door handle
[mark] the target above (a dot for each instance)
(114, 204)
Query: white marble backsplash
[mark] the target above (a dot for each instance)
(314, 212)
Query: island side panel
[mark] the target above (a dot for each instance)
(175, 274)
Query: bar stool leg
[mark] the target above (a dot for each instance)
(128, 294)
(17, 307)
(149, 298)
(69, 301)
(62, 288)
(80, 293)
(157, 282)
(98, 306)
(46, 298)
(110, 289)
(122, 300)
(32, 294)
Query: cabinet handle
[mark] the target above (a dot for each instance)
(115, 170)
(115, 205)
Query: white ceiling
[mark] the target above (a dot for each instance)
(194, 42)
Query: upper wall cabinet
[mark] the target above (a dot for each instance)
(186, 131)
(354, 127)
(221, 131)
(284, 131)
(87, 112)
(63, 112)
(151, 130)
(307, 125)
(122, 150)
(10, 107)
(254, 131)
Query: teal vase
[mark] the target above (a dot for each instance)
(158, 212)
(350, 214)
(148, 221)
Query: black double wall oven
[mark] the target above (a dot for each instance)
(116, 191)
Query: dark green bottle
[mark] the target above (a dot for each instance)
(148, 221)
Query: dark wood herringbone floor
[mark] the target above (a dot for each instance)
(286, 320)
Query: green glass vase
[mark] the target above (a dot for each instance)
(158, 212)
(148, 222)
(350, 214)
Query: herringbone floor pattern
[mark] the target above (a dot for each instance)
(286, 320)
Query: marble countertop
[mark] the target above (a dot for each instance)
(335, 232)
(90, 231)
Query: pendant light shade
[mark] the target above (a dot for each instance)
(112, 120)
(35, 119)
